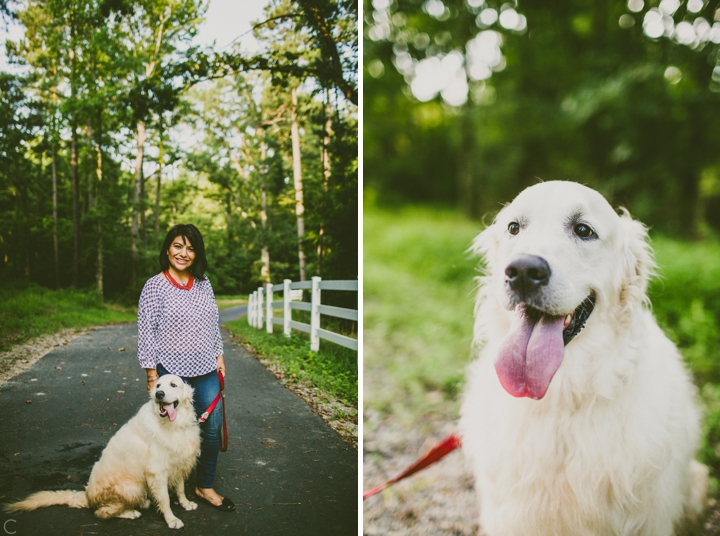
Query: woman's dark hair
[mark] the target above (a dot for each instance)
(192, 234)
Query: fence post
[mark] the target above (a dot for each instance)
(251, 303)
(287, 316)
(259, 308)
(315, 314)
(269, 309)
(254, 311)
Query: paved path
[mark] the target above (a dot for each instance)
(233, 313)
(287, 471)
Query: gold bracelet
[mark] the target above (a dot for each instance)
(153, 378)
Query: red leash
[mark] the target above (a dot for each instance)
(436, 454)
(204, 416)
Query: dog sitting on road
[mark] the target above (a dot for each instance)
(152, 452)
(579, 417)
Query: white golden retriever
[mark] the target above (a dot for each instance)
(579, 417)
(153, 451)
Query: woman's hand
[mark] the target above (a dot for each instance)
(221, 365)
(152, 378)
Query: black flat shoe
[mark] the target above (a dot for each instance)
(226, 506)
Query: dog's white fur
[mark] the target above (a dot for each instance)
(609, 449)
(148, 455)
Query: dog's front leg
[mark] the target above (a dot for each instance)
(158, 485)
(184, 502)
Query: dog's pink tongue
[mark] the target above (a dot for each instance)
(530, 355)
(170, 408)
(510, 360)
(544, 355)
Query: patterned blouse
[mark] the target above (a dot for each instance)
(178, 328)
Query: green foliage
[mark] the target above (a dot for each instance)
(226, 301)
(27, 311)
(686, 302)
(101, 73)
(333, 369)
(577, 95)
(418, 304)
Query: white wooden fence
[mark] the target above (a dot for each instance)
(261, 304)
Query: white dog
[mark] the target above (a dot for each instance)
(154, 450)
(579, 416)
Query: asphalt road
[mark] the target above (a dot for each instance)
(287, 472)
(233, 313)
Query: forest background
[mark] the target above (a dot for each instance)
(466, 103)
(117, 126)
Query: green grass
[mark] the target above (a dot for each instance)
(418, 302)
(686, 302)
(225, 302)
(333, 369)
(27, 311)
(418, 290)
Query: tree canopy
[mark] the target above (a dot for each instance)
(120, 127)
(469, 101)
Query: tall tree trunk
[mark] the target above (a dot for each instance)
(56, 249)
(90, 183)
(297, 177)
(137, 191)
(158, 191)
(23, 196)
(264, 253)
(142, 207)
(75, 205)
(99, 206)
(74, 176)
(326, 179)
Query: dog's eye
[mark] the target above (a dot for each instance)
(583, 231)
(514, 228)
(173, 385)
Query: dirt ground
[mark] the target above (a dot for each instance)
(438, 500)
(441, 499)
(22, 356)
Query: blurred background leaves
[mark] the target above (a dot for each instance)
(468, 102)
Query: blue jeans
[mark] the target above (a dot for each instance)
(205, 389)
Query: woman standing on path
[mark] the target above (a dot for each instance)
(178, 333)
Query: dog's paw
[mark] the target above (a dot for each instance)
(174, 523)
(130, 514)
(189, 505)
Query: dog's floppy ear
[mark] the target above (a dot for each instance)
(486, 244)
(187, 394)
(638, 264)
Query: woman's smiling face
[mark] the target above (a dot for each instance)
(181, 254)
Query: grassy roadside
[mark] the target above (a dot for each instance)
(418, 304)
(332, 370)
(225, 302)
(327, 380)
(28, 311)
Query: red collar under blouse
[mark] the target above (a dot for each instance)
(175, 284)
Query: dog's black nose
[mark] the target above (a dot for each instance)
(527, 273)
(159, 395)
